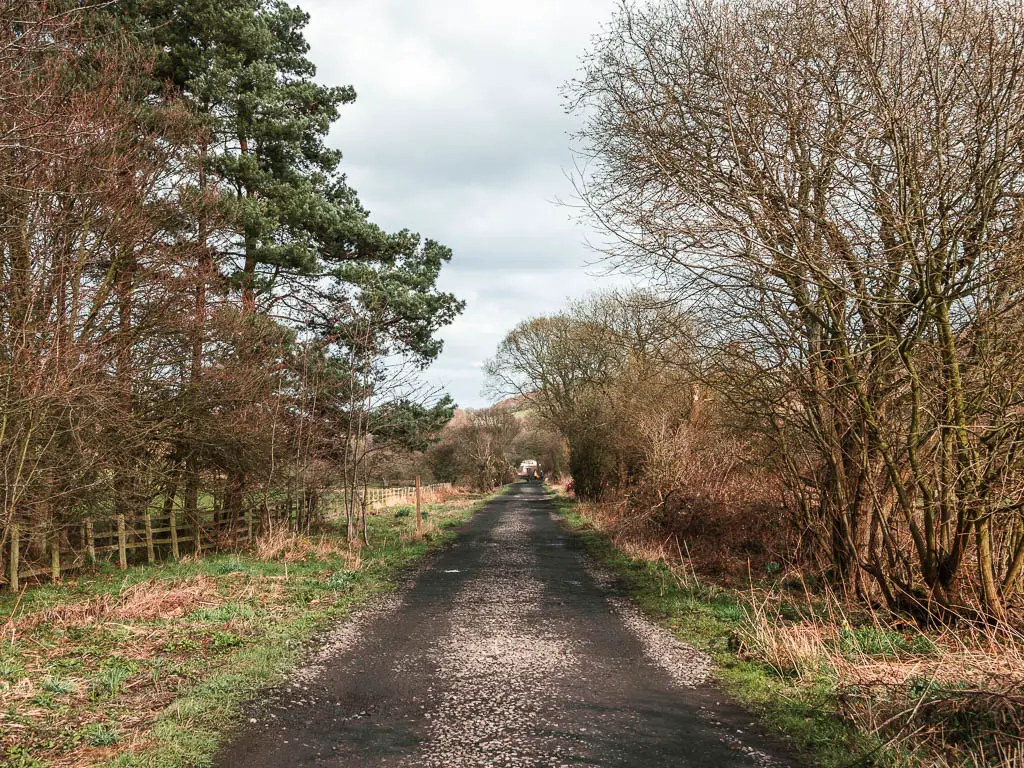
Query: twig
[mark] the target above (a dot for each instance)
(10, 618)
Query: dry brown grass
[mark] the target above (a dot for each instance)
(427, 496)
(442, 495)
(138, 618)
(955, 693)
(138, 704)
(147, 601)
(282, 545)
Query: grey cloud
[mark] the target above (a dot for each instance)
(458, 133)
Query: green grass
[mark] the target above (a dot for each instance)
(113, 674)
(885, 643)
(101, 735)
(79, 687)
(803, 713)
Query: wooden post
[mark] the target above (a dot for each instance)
(173, 522)
(150, 554)
(248, 521)
(55, 557)
(122, 553)
(90, 540)
(197, 534)
(15, 543)
(419, 518)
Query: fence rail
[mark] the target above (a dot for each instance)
(163, 535)
(76, 547)
(389, 497)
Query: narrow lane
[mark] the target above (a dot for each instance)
(507, 651)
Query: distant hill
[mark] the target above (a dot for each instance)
(518, 405)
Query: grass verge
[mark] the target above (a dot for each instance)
(844, 689)
(708, 617)
(149, 668)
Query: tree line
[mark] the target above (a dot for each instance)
(825, 198)
(195, 308)
(482, 449)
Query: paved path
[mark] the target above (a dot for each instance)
(506, 651)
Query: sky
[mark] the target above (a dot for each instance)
(459, 133)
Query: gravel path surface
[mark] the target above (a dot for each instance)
(508, 650)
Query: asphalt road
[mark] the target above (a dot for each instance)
(507, 650)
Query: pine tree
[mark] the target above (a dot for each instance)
(243, 66)
(288, 223)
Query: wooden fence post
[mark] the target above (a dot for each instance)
(150, 554)
(55, 557)
(122, 553)
(173, 522)
(90, 540)
(419, 518)
(15, 543)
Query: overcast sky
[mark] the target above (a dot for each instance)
(459, 133)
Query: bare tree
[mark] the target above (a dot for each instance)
(90, 275)
(835, 188)
(482, 444)
(592, 370)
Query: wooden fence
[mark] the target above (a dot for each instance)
(76, 547)
(377, 498)
(164, 536)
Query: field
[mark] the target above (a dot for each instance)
(152, 666)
